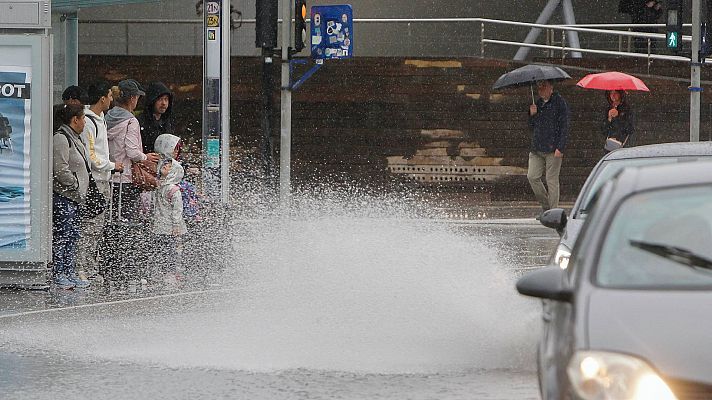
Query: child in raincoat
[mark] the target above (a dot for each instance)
(168, 225)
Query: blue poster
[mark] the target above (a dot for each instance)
(332, 32)
(15, 210)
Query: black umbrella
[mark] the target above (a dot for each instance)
(529, 74)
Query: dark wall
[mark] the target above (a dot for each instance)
(430, 123)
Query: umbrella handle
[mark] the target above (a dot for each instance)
(532, 89)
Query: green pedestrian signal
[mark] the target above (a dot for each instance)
(673, 40)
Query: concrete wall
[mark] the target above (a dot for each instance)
(442, 39)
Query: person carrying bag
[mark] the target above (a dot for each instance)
(126, 147)
(618, 126)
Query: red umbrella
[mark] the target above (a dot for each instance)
(612, 81)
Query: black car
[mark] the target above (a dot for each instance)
(604, 171)
(630, 316)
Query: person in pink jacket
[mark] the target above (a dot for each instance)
(125, 144)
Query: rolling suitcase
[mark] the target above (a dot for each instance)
(122, 244)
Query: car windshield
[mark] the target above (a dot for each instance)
(660, 239)
(610, 168)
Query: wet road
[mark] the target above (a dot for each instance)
(337, 307)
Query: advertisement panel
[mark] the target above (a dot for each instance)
(15, 129)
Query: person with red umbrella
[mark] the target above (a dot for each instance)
(619, 124)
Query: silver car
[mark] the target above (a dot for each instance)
(605, 169)
(630, 316)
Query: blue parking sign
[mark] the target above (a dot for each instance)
(332, 30)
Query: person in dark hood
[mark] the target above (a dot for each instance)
(619, 122)
(156, 118)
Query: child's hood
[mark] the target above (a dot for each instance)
(165, 144)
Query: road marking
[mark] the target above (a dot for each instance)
(108, 303)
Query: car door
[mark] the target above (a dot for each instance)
(557, 341)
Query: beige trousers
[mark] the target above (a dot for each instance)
(539, 163)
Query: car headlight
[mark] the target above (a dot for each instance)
(597, 375)
(562, 255)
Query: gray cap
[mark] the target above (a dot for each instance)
(131, 87)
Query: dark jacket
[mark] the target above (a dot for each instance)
(642, 14)
(622, 127)
(150, 127)
(550, 125)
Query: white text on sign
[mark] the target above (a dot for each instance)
(12, 90)
(212, 7)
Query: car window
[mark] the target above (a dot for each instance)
(611, 167)
(582, 238)
(659, 239)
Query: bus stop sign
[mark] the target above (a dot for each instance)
(332, 31)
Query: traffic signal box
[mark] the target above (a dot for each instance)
(673, 36)
(300, 24)
(266, 24)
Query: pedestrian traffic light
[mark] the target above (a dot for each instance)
(300, 24)
(673, 36)
(266, 24)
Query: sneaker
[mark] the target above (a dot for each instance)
(62, 282)
(97, 279)
(79, 283)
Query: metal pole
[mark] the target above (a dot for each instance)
(267, 110)
(570, 19)
(285, 145)
(71, 58)
(225, 104)
(695, 74)
(546, 13)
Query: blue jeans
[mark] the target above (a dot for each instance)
(65, 234)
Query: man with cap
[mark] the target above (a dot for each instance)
(156, 118)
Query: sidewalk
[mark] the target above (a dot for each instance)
(463, 208)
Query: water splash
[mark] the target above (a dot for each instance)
(357, 283)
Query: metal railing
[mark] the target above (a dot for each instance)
(620, 31)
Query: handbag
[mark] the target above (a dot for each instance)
(612, 144)
(95, 202)
(143, 175)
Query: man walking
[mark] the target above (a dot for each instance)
(549, 121)
(96, 141)
(156, 118)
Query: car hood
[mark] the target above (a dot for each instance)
(672, 330)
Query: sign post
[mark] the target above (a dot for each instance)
(216, 100)
(331, 39)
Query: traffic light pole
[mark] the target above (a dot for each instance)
(285, 143)
(695, 72)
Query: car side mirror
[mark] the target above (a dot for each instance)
(546, 283)
(555, 219)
